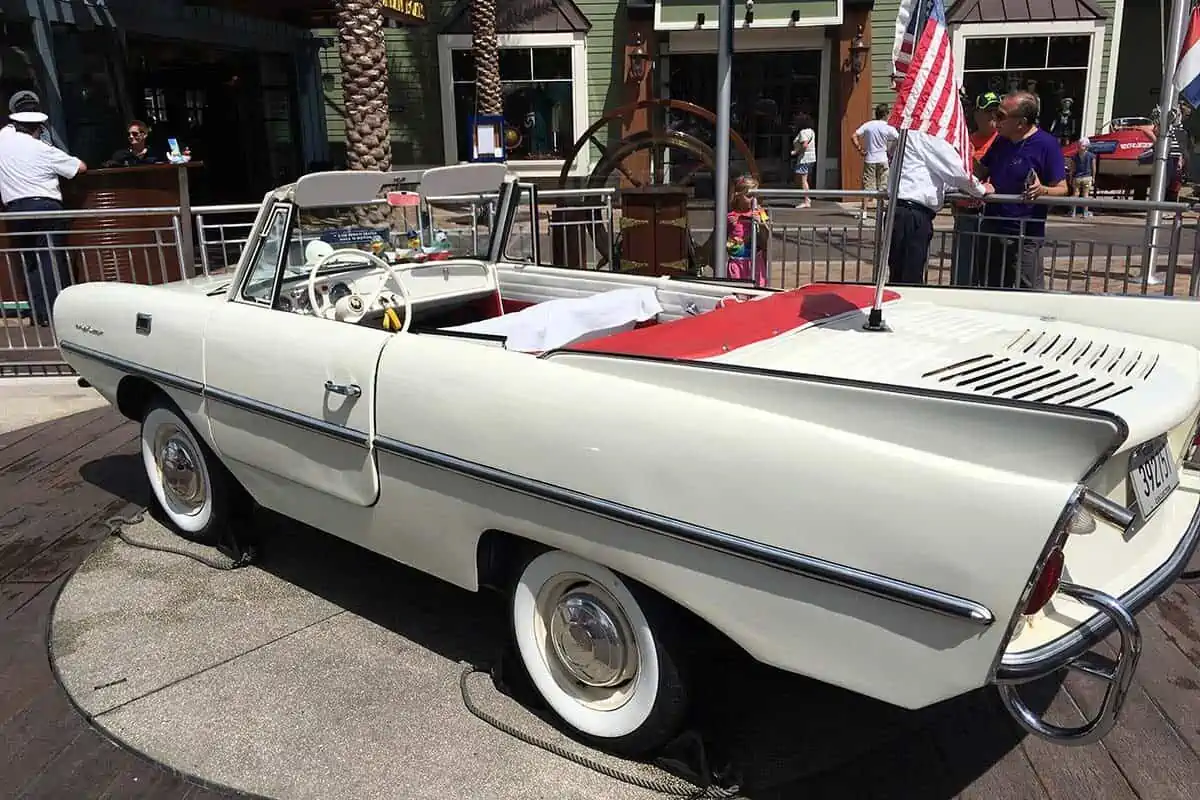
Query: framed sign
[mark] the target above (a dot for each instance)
(487, 137)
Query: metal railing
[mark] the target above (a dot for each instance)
(42, 252)
(1111, 252)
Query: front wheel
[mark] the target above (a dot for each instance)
(597, 654)
(190, 485)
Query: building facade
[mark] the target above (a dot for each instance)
(565, 63)
(240, 89)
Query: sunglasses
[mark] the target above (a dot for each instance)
(136, 134)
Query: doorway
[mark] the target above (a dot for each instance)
(769, 89)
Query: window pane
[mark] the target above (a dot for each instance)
(261, 280)
(462, 65)
(539, 120)
(1026, 52)
(983, 53)
(1051, 87)
(1069, 51)
(551, 63)
(515, 64)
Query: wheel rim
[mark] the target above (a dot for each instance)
(179, 469)
(587, 642)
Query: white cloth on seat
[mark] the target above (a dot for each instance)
(556, 323)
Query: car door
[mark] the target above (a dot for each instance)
(291, 395)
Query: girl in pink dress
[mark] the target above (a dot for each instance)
(742, 219)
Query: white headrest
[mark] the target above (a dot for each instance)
(315, 250)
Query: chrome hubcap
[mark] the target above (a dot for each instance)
(591, 638)
(178, 466)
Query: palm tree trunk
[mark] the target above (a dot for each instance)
(363, 51)
(489, 99)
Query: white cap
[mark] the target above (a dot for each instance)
(28, 117)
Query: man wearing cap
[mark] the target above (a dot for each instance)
(30, 171)
(27, 99)
(968, 212)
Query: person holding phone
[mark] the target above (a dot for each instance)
(1023, 160)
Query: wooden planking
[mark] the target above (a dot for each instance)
(969, 749)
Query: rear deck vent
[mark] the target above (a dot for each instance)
(1046, 367)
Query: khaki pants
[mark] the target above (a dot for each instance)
(875, 177)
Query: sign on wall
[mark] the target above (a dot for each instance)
(695, 15)
(405, 11)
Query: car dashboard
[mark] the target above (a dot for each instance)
(427, 284)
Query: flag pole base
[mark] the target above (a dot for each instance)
(875, 322)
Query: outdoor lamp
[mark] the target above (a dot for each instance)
(638, 60)
(858, 54)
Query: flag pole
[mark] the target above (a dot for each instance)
(875, 317)
(724, 100)
(1167, 97)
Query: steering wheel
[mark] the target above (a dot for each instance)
(370, 258)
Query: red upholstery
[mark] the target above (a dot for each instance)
(738, 324)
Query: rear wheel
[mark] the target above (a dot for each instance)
(595, 650)
(189, 483)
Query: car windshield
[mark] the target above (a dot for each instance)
(396, 234)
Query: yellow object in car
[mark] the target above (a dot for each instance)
(391, 320)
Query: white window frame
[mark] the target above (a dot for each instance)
(541, 168)
(1096, 29)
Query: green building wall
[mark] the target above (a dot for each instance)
(415, 88)
(883, 26)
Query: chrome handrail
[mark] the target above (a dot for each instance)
(1117, 674)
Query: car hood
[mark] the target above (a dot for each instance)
(202, 284)
(1154, 385)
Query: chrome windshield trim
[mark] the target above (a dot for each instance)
(811, 567)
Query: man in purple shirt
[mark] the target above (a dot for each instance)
(1023, 160)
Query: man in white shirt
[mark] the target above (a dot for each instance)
(930, 167)
(30, 171)
(873, 140)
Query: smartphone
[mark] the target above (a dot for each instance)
(1030, 178)
(173, 144)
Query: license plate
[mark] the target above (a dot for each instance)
(1152, 474)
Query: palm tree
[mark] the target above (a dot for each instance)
(363, 51)
(489, 99)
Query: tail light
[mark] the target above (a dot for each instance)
(1046, 583)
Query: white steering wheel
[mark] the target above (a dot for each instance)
(370, 258)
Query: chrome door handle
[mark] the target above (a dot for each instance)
(347, 389)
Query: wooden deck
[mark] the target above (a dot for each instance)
(59, 482)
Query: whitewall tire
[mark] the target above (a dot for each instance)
(595, 650)
(190, 486)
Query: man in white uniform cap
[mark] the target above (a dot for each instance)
(30, 171)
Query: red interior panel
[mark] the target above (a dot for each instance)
(738, 324)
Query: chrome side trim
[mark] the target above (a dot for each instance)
(130, 368)
(1055, 655)
(338, 432)
(796, 563)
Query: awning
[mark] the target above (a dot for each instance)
(524, 16)
(971, 11)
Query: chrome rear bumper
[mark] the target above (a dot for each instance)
(1074, 650)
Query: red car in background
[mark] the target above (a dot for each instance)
(1125, 158)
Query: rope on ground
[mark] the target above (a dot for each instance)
(116, 526)
(672, 787)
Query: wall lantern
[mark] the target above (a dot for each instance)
(858, 54)
(638, 60)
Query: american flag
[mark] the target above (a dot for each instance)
(928, 92)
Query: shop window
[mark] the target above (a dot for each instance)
(545, 93)
(1055, 68)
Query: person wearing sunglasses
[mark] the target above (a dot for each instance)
(967, 212)
(1022, 160)
(136, 152)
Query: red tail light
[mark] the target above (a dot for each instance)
(1047, 582)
